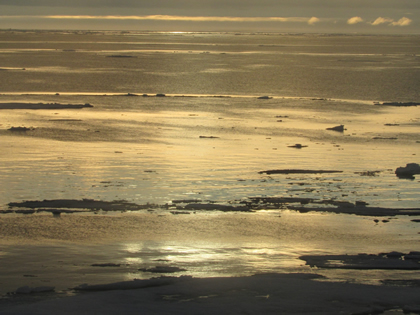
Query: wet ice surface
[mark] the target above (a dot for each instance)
(157, 150)
(72, 249)
(160, 150)
(270, 293)
(209, 141)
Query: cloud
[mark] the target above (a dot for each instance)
(404, 21)
(354, 20)
(313, 20)
(381, 20)
(179, 18)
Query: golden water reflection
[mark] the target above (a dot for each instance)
(106, 248)
(152, 151)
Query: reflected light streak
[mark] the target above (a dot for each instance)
(211, 259)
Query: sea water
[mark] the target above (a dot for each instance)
(208, 135)
(373, 68)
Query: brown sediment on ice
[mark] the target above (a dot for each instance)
(106, 265)
(58, 206)
(20, 129)
(409, 170)
(297, 146)
(121, 56)
(360, 210)
(250, 204)
(399, 103)
(298, 171)
(384, 138)
(339, 128)
(216, 207)
(271, 202)
(42, 106)
(12, 69)
(86, 204)
(133, 284)
(304, 205)
(368, 173)
(392, 260)
(163, 269)
(65, 119)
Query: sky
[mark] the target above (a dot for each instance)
(312, 16)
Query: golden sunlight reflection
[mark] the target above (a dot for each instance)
(234, 244)
(160, 149)
(211, 259)
(137, 155)
(200, 245)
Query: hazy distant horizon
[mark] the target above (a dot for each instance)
(58, 28)
(286, 16)
(201, 31)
